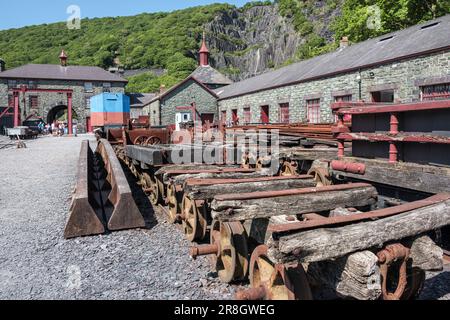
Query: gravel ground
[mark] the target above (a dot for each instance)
(37, 263)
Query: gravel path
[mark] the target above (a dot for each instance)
(37, 263)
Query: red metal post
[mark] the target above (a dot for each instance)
(393, 152)
(69, 113)
(394, 123)
(341, 149)
(16, 109)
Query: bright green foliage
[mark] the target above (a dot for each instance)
(359, 17)
(157, 40)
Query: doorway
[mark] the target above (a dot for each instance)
(182, 117)
(265, 114)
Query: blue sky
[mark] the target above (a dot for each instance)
(30, 12)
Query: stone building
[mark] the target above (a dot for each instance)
(404, 66)
(192, 99)
(43, 90)
(138, 101)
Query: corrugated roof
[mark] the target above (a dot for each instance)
(140, 100)
(209, 75)
(427, 37)
(57, 72)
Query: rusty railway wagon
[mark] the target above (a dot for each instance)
(340, 227)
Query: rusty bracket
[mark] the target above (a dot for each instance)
(386, 257)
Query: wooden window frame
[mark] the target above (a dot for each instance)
(284, 114)
(313, 111)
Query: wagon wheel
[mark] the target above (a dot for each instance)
(194, 219)
(173, 203)
(152, 141)
(321, 176)
(231, 263)
(289, 168)
(151, 189)
(280, 282)
(140, 141)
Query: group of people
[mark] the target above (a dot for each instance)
(59, 129)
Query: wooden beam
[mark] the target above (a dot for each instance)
(330, 243)
(241, 207)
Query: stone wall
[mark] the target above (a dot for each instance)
(163, 112)
(404, 77)
(49, 100)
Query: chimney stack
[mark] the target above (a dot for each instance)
(162, 89)
(204, 53)
(344, 42)
(63, 58)
(2, 65)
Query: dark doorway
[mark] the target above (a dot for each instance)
(386, 96)
(207, 117)
(234, 116)
(265, 114)
(59, 113)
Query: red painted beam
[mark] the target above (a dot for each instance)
(41, 90)
(400, 137)
(416, 106)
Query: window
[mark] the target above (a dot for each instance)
(383, 96)
(265, 115)
(247, 115)
(235, 117)
(12, 84)
(224, 116)
(88, 102)
(106, 87)
(284, 113)
(346, 98)
(34, 102)
(32, 84)
(436, 92)
(88, 87)
(313, 109)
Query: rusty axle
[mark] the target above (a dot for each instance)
(203, 250)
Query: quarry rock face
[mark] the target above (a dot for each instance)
(245, 43)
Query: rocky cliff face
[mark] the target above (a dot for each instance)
(247, 43)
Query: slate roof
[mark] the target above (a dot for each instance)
(57, 72)
(190, 78)
(428, 37)
(209, 75)
(140, 100)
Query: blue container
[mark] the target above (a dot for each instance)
(110, 102)
(110, 109)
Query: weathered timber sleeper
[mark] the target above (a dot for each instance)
(239, 207)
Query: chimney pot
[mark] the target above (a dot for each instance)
(344, 42)
(162, 89)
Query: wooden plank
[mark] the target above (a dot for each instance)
(428, 179)
(291, 202)
(331, 243)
